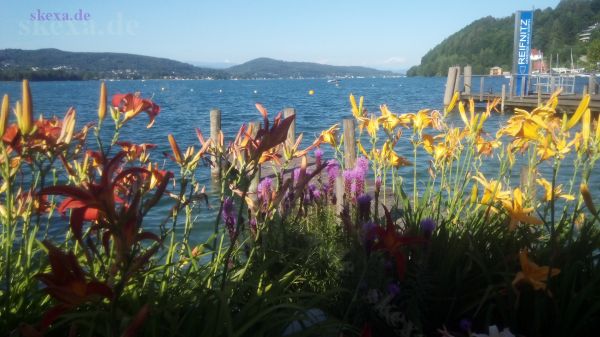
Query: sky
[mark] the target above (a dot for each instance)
(390, 34)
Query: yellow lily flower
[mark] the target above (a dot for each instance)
(371, 124)
(486, 147)
(557, 193)
(492, 190)
(389, 120)
(420, 120)
(533, 274)
(329, 136)
(519, 214)
(392, 157)
(549, 146)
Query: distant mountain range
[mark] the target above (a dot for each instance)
(54, 64)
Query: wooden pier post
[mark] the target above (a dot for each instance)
(291, 136)
(503, 97)
(527, 181)
(215, 130)
(457, 80)
(349, 142)
(585, 90)
(449, 92)
(468, 79)
(481, 89)
(539, 94)
(339, 193)
(592, 85)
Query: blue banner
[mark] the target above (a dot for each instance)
(522, 50)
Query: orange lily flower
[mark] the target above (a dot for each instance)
(533, 274)
(132, 105)
(557, 193)
(519, 214)
(329, 136)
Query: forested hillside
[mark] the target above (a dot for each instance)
(488, 42)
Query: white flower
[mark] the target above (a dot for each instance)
(494, 332)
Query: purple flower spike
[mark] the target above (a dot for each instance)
(364, 207)
(465, 325)
(318, 156)
(229, 216)
(393, 289)
(362, 165)
(428, 226)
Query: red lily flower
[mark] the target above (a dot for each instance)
(132, 104)
(391, 242)
(67, 281)
(97, 201)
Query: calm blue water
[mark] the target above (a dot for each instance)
(186, 104)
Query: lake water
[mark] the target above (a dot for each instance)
(185, 105)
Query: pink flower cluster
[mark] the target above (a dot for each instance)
(354, 180)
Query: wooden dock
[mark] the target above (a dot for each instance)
(533, 92)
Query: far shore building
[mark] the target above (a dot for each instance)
(537, 61)
(586, 34)
(496, 71)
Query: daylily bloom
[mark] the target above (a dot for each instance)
(389, 120)
(370, 123)
(97, 202)
(533, 274)
(329, 136)
(391, 242)
(420, 120)
(67, 282)
(132, 104)
(557, 193)
(486, 147)
(392, 158)
(550, 146)
(492, 190)
(516, 211)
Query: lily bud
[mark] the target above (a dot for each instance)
(587, 198)
(102, 103)
(474, 194)
(175, 148)
(4, 115)
(68, 126)
(26, 124)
